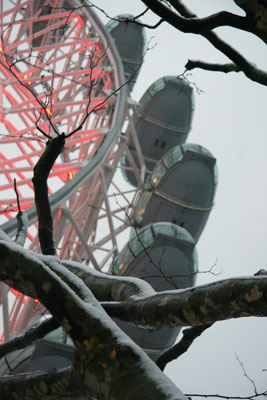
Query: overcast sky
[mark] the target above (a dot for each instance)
(230, 120)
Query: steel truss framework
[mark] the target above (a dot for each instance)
(58, 68)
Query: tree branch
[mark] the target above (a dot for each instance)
(103, 352)
(227, 397)
(182, 9)
(249, 69)
(41, 172)
(206, 304)
(22, 219)
(39, 385)
(198, 25)
(132, 299)
(192, 64)
(109, 287)
(189, 335)
(256, 12)
(22, 229)
(34, 333)
(261, 272)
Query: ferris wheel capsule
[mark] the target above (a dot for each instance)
(162, 120)
(164, 255)
(130, 40)
(180, 190)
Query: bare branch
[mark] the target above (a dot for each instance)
(226, 397)
(135, 21)
(248, 68)
(189, 335)
(10, 67)
(198, 25)
(22, 219)
(230, 67)
(15, 188)
(182, 9)
(34, 333)
(142, 13)
(246, 375)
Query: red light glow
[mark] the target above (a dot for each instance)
(18, 295)
(81, 21)
(98, 48)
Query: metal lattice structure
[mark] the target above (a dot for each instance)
(59, 68)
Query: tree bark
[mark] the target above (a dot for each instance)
(41, 172)
(107, 363)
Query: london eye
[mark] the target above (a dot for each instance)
(127, 193)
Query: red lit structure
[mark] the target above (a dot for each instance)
(57, 65)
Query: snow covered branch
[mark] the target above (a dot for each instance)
(206, 304)
(106, 359)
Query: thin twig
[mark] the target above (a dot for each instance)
(223, 396)
(15, 188)
(246, 375)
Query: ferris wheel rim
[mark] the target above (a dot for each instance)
(73, 185)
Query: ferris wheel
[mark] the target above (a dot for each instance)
(56, 67)
(61, 71)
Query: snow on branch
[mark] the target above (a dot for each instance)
(103, 351)
(206, 304)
